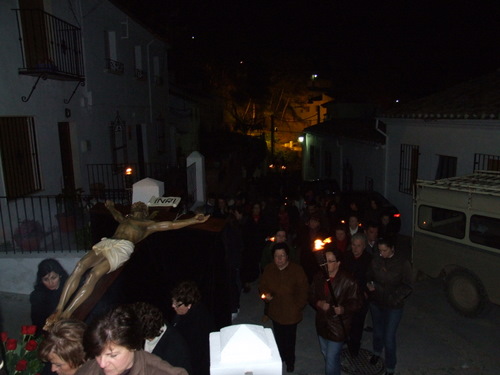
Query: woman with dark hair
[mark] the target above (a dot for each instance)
(63, 347)
(194, 322)
(114, 341)
(389, 283)
(284, 287)
(334, 312)
(50, 279)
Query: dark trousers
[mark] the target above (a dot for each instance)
(286, 336)
(357, 325)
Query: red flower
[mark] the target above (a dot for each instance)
(4, 336)
(21, 365)
(28, 330)
(31, 345)
(11, 344)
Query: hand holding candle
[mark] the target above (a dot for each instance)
(266, 297)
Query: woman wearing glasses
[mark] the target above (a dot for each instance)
(333, 312)
(194, 322)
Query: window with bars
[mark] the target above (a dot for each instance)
(485, 162)
(19, 153)
(408, 168)
(447, 167)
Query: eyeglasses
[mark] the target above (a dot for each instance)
(177, 305)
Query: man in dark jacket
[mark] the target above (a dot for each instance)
(357, 261)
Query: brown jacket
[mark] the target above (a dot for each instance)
(289, 289)
(347, 294)
(144, 364)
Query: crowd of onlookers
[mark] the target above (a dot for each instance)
(303, 250)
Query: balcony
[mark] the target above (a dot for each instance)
(51, 48)
(115, 67)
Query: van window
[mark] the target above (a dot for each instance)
(485, 231)
(443, 221)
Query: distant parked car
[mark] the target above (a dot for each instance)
(363, 201)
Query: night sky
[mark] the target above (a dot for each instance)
(391, 49)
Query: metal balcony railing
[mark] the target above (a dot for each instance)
(43, 224)
(115, 67)
(50, 46)
(485, 162)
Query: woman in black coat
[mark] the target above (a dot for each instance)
(50, 279)
(194, 322)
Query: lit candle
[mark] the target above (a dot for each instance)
(320, 244)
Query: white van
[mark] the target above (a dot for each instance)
(456, 234)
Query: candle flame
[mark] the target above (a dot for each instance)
(263, 296)
(320, 244)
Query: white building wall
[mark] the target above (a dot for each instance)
(93, 106)
(366, 159)
(367, 162)
(459, 138)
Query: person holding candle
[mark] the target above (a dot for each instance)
(267, 254)
(335, 295)
(284, 287)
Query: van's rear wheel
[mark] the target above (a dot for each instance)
(465, 293)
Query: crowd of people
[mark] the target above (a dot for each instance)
(272, 241)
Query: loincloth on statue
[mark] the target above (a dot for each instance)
(115, 251)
